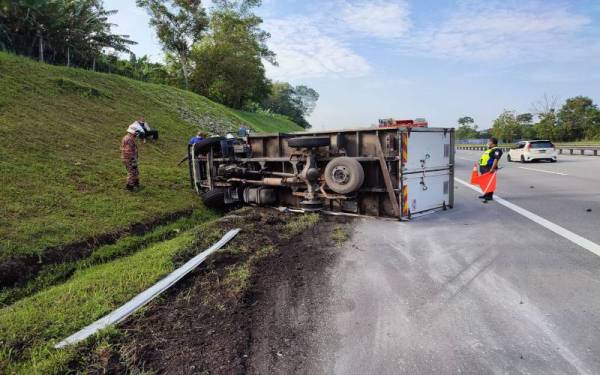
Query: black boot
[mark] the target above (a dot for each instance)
(129, 187)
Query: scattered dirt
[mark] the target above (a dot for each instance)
(19, 269)
(219, 322)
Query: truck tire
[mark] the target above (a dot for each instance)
(308, 142)
(344, 175)
(214, 198)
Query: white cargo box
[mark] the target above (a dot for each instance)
(426, 191)
(427, 149)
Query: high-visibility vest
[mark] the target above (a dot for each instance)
(485, 158)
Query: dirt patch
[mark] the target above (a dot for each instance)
(241, 311)
(17, 270)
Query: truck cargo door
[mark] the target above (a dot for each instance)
(425, 191)
(426, 150)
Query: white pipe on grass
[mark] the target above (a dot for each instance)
(146, 296)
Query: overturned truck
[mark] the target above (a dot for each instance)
(397, 173)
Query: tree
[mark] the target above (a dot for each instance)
(466, 120)
(228, 63)
(546, 127)
(306, 98)
(179, 25)
(506, 127)
(466, 128)
(525, 118)
(545, 105)
(297, 103)
(60, 31)
(579, 118)
(525, 121)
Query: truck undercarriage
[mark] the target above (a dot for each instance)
(371, 172)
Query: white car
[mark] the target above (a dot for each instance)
(526, 151)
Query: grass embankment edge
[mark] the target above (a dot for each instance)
(30, 327)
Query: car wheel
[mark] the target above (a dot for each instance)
(523, 159)
(553, 160)
(508, 157)
(344, 175)
(214, 198)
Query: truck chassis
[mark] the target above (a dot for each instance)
(389, 172)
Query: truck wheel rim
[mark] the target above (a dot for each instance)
(340, 175)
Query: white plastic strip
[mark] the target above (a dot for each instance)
(146, 296)
(590, 246)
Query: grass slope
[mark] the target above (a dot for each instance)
(30, 327)
(61, 179)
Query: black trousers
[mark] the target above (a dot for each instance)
(484, 170)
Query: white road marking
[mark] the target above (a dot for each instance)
(458, 157)
(565, 233)
(541, 170)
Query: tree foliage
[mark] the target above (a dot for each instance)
(221, 56)
(506, 127)
(466, 128)
(59, 31)
(579, 118)
(228, 63)
(179, 25)
(297, 103)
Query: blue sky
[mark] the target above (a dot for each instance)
(421, 58)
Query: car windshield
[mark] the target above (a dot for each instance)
(544, 144)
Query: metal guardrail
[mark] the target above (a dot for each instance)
(479, 148)
(572, 150)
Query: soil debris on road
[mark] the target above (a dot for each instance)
(240, 311)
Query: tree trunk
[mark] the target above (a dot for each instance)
(41, 56)
(184, 70)
(68, 56)
(94, 64)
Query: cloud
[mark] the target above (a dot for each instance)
(381, 19)
(319, 44)
(305, 51)
(502, 31)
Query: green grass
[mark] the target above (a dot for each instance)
(37, 322)
(30, 327)
(340, 235)
(57, 273)
(61, 179)
(270, 123)
(303, 223)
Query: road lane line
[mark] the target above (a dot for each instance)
(590, 246)
(541, 170)
(458, 157)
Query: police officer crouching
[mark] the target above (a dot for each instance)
(489, 163)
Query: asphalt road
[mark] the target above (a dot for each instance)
(479, 289)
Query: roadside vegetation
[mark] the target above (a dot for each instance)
(340, 235)
(217, 52)
(577, 121)
(56, 273)
(30, 327)
(62, 179)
